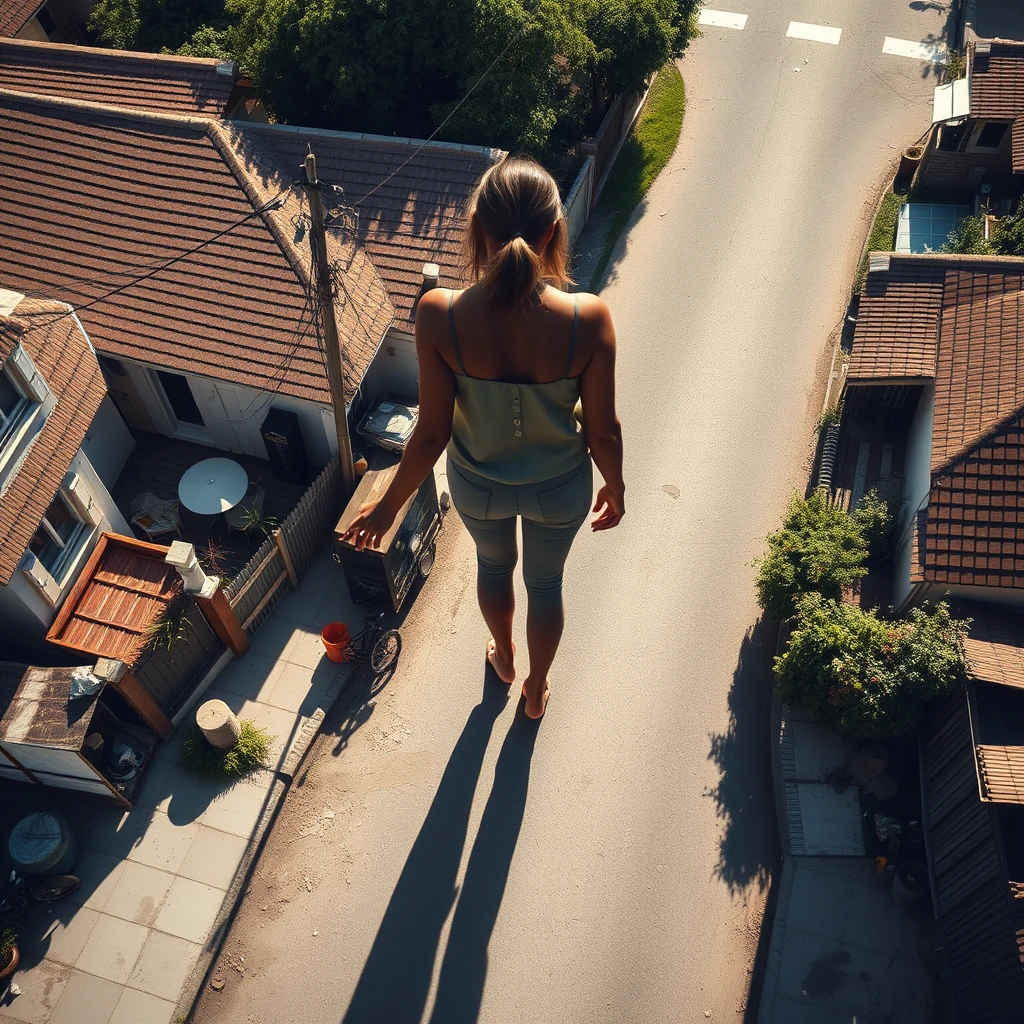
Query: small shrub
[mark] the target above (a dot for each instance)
(831, 416)
(8, 940)
(172, 626)
(968, 238)
(819, 548)
(879, 520)
(956, 65)
(866, 677)
(249, 754)
(1008, 237)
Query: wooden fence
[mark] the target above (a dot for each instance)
(288, 552)
(169, 674)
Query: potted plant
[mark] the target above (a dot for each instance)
(9, 955)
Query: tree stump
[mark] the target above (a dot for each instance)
(218, 724)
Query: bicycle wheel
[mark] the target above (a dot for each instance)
(55, 888)
(385, 651)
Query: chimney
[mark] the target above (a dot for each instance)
(431, 275)
(183, 557)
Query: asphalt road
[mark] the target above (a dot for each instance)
(441, 858)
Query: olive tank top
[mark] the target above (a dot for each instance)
(516, 433)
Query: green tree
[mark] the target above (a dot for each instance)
(153, 25)
(968, 238)
(867, 677)
(206, 41)
(819, 548)
(1008, 237)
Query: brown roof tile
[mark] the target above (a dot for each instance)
(994, 643)
(1001, 770)
(14, 15)
(895, 337)
(997, 80)
(62, 355)
(141, 81)
(417, 217)
(92, 198)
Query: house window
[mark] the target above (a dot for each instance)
(13, 406)
(57, 539)
(991, 136)
(47, 23)
(180, 397)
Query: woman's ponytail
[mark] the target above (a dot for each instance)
(515, 205)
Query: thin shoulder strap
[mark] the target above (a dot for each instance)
(572, 339)
(455, 337)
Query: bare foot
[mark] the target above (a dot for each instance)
(506, 670)
(535, 708)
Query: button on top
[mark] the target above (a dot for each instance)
(517, 422)
(519, 433)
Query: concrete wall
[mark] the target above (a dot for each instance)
(108, 443)
(393, 369)
(916, 485)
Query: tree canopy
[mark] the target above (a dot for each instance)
(401, 66)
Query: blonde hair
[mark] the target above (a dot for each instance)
(516, 202)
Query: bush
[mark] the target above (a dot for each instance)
(866, 677)
(1008, 237)
(8, 940)
(820, 548)
(968, 238)
(879, 521)
(248, 755)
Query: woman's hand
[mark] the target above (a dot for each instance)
(614, 508)
(369, 526)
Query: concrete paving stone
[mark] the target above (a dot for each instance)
(164, 844)
(163, 965)
(141, 1008)
(213, 857)
(98, 873)
(117, 833)
(41, 983)
(190, 910)
(171, 750)
(112, 949)
(815, 964)
(817, 751)
(59, 931)
(305, 648)
(299, 690)
(818, 903)
(303, 606)
(86, 1000)
(107, 822)
(831, 820)
(250, 676)
(140, 894)
(158, 786)
(802, 1011)
(273, 637)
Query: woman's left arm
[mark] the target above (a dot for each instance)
(433, 429)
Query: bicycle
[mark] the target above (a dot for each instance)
(14, 897)
(383, 644)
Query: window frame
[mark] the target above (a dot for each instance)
(68, 548)
(17, 439)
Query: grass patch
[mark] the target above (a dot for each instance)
(883, 233)
(248, 755)
(641, 159)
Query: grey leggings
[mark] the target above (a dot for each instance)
(553, 512)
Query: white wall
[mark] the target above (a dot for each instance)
(917, 482)
(26, 614)
(108, 443)
(393, 368)
(1006, 596)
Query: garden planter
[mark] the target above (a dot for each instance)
(910, 160)
(12, 963)
(910, 883)
(336, 640)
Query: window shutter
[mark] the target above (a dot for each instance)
(37, 574)
(29, 377)
(82, 500)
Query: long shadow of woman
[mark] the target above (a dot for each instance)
(395, 980)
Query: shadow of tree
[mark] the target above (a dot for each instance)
(744, 796)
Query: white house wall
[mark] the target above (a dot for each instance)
(108, 443)
(1006, 596)
(917, 482)
(393, 369)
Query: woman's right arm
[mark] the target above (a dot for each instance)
(601, 426)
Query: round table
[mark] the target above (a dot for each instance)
(212, 486)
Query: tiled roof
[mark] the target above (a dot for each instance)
(62, 356)
(14, 14)
(972, 530)
(416, 218)
(997, 80)
(1001, 770)
(994, 643)
(93, 198)
(120, 593)
(1017, 137)
(141, 81)
(897, 322)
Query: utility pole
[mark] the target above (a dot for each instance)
(332, 346)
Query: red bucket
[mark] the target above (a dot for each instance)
(337, 641)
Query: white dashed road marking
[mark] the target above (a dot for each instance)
(934, 52)
(817, 33)
(722, 19)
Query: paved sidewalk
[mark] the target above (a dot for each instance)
(843, 951)
(158, 882)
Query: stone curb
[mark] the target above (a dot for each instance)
(283, 776)
(769, 982)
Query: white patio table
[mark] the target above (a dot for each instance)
(212, 486)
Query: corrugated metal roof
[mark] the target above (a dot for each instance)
(119, 595)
